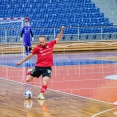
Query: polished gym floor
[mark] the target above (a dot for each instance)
(81, 85)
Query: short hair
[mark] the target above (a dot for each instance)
(26, 21)
(42, 36)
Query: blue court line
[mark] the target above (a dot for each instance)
(61, 63)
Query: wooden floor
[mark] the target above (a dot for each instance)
(79, 90)
(57, 104)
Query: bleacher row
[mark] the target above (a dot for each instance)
(82, 14)
(52, 31)
(59, 47)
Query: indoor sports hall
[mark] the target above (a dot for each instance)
(84, 75)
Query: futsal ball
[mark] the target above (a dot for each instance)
(28, 94)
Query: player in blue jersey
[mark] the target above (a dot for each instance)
(26, 33)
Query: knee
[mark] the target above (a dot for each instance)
(28, 80)
(46, 80)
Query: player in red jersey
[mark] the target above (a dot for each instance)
(44, 51)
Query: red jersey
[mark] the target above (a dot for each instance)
(44, 54)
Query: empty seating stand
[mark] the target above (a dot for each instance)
(55, 13)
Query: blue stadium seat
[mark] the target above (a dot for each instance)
(56, 13)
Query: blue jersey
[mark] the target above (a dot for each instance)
(26, 31)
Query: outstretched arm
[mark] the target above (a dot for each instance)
(60, 34)
(25, 59)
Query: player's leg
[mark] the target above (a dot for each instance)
(45, 83)
(46, 80)
(29, 45)
(30, 48)
(26, 50)
(27, 85)
(46, 77)
(31, 74)
(44, 87)
(29, 78)
(25, 43)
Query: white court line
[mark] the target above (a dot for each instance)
(61, 92)
(103, 112)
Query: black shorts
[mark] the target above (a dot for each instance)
(38, 71)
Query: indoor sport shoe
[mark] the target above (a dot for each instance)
(41, 96)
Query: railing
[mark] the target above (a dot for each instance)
(12, 35)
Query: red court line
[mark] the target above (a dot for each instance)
(83, 80)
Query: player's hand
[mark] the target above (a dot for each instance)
(18, 63)
(32, 38)
(62, 28)
(21, 39)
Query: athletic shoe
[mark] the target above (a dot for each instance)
(41, 96)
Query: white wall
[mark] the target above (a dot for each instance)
(109, 8)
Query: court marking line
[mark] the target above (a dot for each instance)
(103, 112)
(112, 64)
(59, 91)
(81, 80)
(81, 96)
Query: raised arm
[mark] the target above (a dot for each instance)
(60, 34)
(25, 59)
